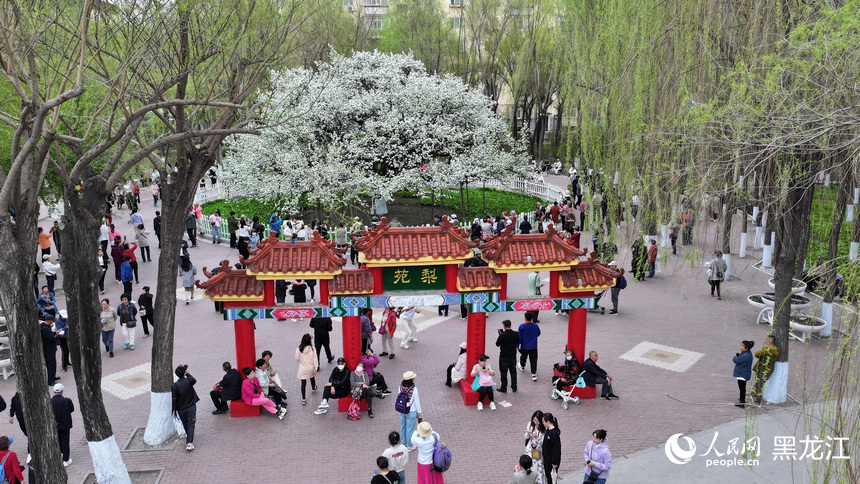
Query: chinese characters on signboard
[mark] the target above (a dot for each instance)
(413, 278)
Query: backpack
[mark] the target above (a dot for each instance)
(622, 282)
(402, 402)
(354, 411)
(3, 469)
(441, 456)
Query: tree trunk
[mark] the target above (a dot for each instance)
(729, 210)
(803, 230)
(176, 201)
(176, 198)
(462, 202)
(18, 239)
(784, 255)
(833, 242)
(484, 200)
(80, 282)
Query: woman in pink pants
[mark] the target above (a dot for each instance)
(252, 394)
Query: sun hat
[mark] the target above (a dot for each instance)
(424, 429)
(409, 375)
(613, 263)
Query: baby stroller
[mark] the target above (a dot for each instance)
(597, 307)
(564, 393)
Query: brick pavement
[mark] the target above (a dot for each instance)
(673, 309)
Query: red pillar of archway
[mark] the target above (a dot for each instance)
(324, 294)
(576, 329)
(476, 330)
(351, 329)
(246, 356)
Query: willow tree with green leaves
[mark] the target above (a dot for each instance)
(423, 28)
(792, 114)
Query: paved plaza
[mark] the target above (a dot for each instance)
(669, 350)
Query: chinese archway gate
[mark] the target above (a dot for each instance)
(410, 266)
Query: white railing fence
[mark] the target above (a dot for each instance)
(217, 191)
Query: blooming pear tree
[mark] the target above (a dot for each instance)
(369, 125)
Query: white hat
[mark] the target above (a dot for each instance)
(463, 345)
(424, 429)
(64, 314)
(409, 375)
(58, 388)
(46, 256)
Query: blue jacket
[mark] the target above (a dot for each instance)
(275, 223)
(743, 365)
(528, 333)
(44, 302)
(125, 272)
(62, 324)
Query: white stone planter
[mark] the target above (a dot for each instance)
(797, 286)
(806, 325)
(801, 323)
(798, 303)
(757, 302)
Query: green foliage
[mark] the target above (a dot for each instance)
(243, 206)
(422, 27)
(821, 219)
(481, 201)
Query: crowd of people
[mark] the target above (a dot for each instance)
(261, 385)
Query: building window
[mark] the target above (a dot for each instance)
(457, 23)
(456, 3)
(374, 22)
(374, 3)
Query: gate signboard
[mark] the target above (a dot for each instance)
(413, 278)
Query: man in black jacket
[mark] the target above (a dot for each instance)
(507, 342)
(49, 348)
(595, 375)
(16, 409)
(226, 390)
(337, 386)
(63, 409)
(322, 328)
(156, 226)
(146, 310)
(185, 403)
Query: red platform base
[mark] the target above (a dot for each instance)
(470, 397)
(343, 404)
(587, 393)
(238, 408)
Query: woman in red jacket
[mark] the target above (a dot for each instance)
(14, 469)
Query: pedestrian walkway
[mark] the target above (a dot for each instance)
(669, 349)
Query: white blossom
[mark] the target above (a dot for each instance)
(368, 125)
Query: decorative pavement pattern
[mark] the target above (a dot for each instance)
(128, 383)
(666, 357)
